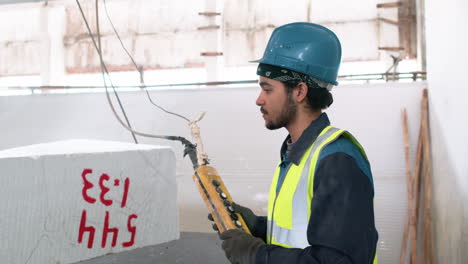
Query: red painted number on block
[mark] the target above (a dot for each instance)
(106, 230)
(84, 228)
(87, 185)
(104, 190)
(125, 193)
(131, 229)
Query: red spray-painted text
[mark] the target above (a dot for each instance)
(104, 189)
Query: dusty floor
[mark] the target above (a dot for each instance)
(191, 248)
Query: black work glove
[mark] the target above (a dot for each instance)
(249, 217)
(240, 247)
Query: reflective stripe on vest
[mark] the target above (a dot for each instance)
(287, 227)
(289, 211)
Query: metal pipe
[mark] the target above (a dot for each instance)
(350, 77)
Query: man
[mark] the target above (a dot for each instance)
(320, 208)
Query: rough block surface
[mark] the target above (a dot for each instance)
(69, 201)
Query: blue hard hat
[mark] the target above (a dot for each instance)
(305, 47)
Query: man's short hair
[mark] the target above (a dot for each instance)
(318, 92)
(317, 98)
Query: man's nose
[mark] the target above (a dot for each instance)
(260, 100)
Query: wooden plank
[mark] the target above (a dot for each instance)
(390, 5)
(427, 239)
(209, 13)
(210, 54)
(212, 27)
(415, 205)
(409, 187)
(389, 21)
(392, 48)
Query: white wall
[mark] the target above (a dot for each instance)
(242, 150)
(447, 64)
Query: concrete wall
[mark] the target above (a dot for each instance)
(447, 61)
(18, 1)
(168, 34)
(242, 150)
(20, 41)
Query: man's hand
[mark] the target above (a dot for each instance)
(240, 247)
(249, 217)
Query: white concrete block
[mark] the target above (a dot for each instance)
(68, 201)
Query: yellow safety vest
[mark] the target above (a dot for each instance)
(289, 212)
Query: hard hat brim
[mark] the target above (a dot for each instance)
(256, 61)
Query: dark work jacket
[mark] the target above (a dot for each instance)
(341, 228)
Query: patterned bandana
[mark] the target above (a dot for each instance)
(285, 75)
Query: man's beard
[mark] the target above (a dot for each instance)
(287, 114)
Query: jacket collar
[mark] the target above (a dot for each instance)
(308, 137)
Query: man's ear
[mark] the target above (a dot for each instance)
(301, 92)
